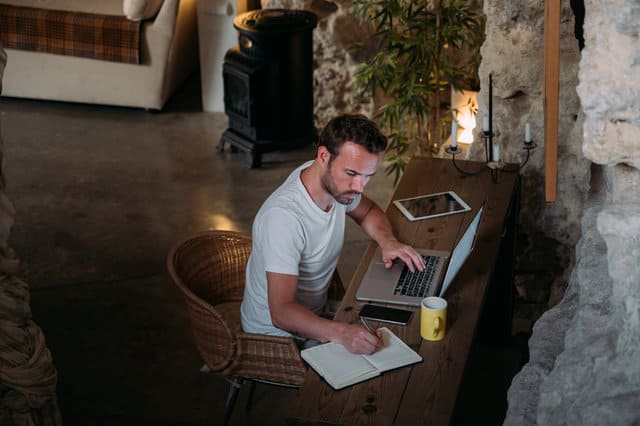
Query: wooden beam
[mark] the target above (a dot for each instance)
(551, 94)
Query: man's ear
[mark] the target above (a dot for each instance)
(323, 155)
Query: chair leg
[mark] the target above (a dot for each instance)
(234, 388)
(252, 388)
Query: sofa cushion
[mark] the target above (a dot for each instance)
(137, 10)
(103, 7)
(87, 35)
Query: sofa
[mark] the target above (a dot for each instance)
(167, 54)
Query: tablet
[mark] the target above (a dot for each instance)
(431, 205)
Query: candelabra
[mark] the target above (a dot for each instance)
(492, 163)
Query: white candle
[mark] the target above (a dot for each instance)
(527, 132)
(454, 134)
(485, 123)
(496, 153)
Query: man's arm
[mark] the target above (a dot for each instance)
(377, 226)
(288, 315)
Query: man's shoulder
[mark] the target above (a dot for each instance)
(287, 196)
(283, 208)
(287, 203)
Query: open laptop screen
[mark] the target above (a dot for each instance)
(462, 251)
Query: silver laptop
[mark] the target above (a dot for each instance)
(399, 285)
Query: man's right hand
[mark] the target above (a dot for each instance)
(288, 315)
(359, 340)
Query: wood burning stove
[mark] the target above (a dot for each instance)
(268, 83)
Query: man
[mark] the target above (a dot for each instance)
(298, 234)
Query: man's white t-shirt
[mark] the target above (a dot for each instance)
(292, 235)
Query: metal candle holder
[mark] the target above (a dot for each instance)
(490, 164)
(453, 150)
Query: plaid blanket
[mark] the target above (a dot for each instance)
(106, 37)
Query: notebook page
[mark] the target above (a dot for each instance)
(337, 365)
(394, 354)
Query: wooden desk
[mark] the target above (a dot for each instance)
(426, 393)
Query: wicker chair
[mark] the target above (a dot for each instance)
(209, 269)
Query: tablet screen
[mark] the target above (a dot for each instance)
(432, 205)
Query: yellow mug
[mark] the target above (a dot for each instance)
(433, 318)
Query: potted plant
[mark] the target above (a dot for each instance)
(422, 48)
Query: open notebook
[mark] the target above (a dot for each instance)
(341, 368)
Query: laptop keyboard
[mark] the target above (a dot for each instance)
(417, 284)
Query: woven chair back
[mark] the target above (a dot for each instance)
(209, 269)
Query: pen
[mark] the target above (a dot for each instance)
(364, 322)
(366, 325)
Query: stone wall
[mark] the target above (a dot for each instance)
(585, 353)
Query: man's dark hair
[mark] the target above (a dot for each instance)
(354, 128)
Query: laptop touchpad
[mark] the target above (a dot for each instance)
(381, 270)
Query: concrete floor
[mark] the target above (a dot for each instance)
(101, 194)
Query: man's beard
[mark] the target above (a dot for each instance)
(329, 185)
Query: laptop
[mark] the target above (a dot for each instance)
(400, 286)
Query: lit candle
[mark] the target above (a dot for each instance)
(527, 132)
(454, 134)
(485, 123)
(496, 153)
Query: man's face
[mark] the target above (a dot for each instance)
(348, 173)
